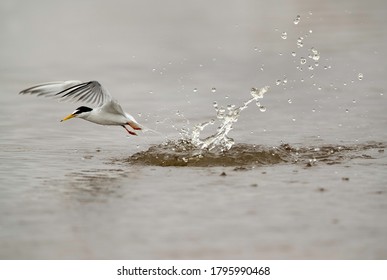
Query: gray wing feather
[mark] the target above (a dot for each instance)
(90, 92)
(112, 107)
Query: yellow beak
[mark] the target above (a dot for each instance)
(68, 117)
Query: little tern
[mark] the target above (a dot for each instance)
(107, 112)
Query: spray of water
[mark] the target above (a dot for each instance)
(220, 141)
(218, 149)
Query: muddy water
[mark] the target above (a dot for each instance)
(183, 153)
(304, 176)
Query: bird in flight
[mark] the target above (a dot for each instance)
(107, 112)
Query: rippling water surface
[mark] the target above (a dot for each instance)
(268, 131)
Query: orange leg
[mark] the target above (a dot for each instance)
(130, 132)
(134, 126)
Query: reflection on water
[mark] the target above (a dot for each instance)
(94, 185)
(184, 153)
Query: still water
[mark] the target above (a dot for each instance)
(295, 172)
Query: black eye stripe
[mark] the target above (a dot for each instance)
(82, 109)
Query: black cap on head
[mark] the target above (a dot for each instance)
(82, 109)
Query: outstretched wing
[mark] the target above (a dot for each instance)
(90, 92)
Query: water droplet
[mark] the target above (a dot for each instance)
(346, 110)
(285, 81)
(313, 110)
(302, 60)
(262, 108)
(360, 76)
(300, 44)
(231, 107)
(290, 101)
(310, 13)
(297, 19)
(213, 89)
(195, 90)
(319, 88)
(293, 119)
(316, 57)
(294, 54)
(154, 70)
(354, 101)
(310, 31)
(284, 35)
(278, 82)
(220, 113)
(310, 67)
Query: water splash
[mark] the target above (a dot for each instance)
(184, 153)
(220, 141)
(218, 149)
